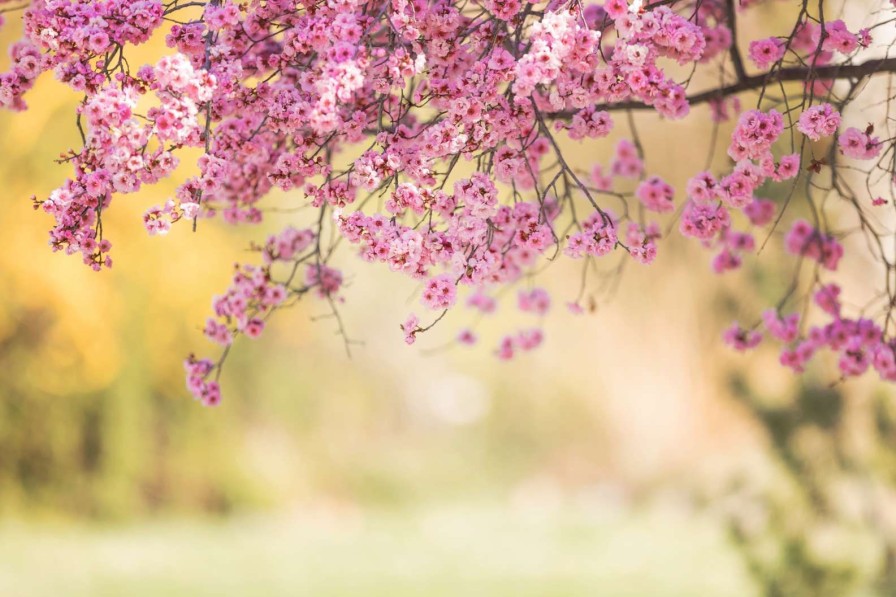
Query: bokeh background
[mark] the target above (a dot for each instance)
(631, 455)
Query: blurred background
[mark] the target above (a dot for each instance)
(633, 454)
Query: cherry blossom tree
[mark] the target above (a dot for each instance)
(431, 136)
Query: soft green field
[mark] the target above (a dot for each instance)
(470, 552)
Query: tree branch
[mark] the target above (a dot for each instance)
(797, 73)
(736, 59)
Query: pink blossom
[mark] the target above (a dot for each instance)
(410, 327)
(819, 121)
(467, 337)
(755, 133)
(765, 52)
(839, 39)
(326, 280)
(656, 195)
(760, 211)
(803, 239)
(439, 293)
(784, 329)
(741, 339)
(828, 299)
(536, 301)
(859, 145)
(703, 221)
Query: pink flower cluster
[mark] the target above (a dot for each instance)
(733, 246)
(641, 242)
(819, 121)
(440, 292)
(252, 296)
(656, 194)
(324, 279)
(536, 301)
(207, 391)
(804, 240)
(482, 302)
(158, 219)
(410, 327)
(242, 308)
(760, 211)
(597, 237)
(859, 343)
(626, 162)
(557, 44)
(839, 39)
(741, 339)
(26, 66)
(860, 145)
(765, 52)
(524, 340)
(122, 153)
(707, 215)
(589, 122)
(785, 329)
(754, 134)
(704, 220)
(75, 35)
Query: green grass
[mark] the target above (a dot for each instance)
(470, 552)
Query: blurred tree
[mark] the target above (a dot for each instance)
(823, 523)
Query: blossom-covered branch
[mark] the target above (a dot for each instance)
(849, 72)
(431, 136)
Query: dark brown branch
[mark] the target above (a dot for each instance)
(749, 83)
(734, 51)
